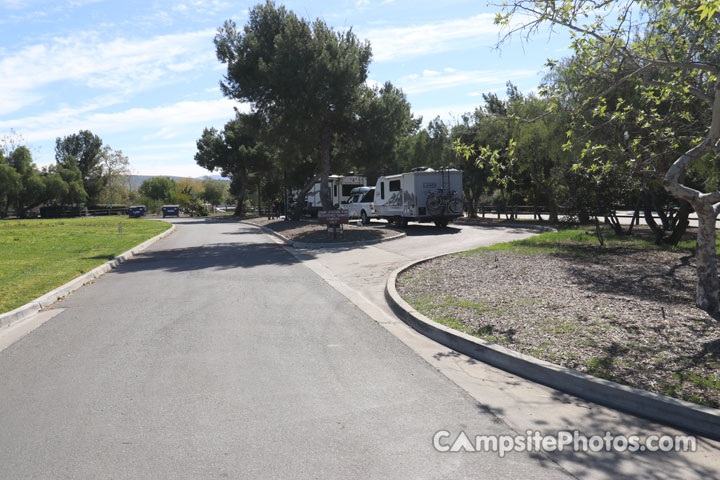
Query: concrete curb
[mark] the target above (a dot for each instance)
(678, 413)
(290, 243)
(531, 226)
(29, 309)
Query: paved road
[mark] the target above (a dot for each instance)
(361, 273)
(217, 354)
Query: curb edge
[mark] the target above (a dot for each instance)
(26, 311)
(666, 410)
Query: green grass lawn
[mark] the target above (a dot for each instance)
(37, 256)
(582, 241)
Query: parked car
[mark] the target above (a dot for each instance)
(137, 211)
(170, 210)
(361, 204)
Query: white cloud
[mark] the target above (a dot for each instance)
(121, 65)
(202, 7)
(414, 84)
(430, 73)
(373, 83)
(447, 113)
(179, 164)
(392, 43)
(161, 120)
(13, 4)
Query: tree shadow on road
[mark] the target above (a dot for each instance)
(612, 463)
(217, 256)
(422, 230)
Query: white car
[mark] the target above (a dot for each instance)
(361, 204)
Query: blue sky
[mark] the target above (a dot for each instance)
(143, 75)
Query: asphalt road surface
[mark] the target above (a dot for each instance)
(216, 354)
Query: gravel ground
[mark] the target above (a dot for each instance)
(618, 313)
(311, 232)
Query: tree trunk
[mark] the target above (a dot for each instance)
(300, 200)
(680, 224)
(649, 206)
(325, 138)
(240, 207)
(552, 206)
(706, 259)
(472, 210)
(707, 207)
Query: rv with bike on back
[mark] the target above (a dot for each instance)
(421, 195)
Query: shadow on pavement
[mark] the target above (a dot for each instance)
(613, 464)
(422, 230)
(222, 256)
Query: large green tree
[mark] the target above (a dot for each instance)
(87, 149)
(10, 184)
(672, 49)
(158, 188)
(116, 171)
(32, 186)
(302, 75)
(63, 183)
(236, 152)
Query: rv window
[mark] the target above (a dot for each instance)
(335, 191)
(394, 185)
(382, 190)
(347, 189)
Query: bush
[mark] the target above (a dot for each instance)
(153, 206)
(197, 208)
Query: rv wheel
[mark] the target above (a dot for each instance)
(441, 223)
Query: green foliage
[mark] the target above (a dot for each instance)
(37, 256)
(63, 183)
(196, 208)
(86, 149)
(160, 189)
(237, 152)
(381, 142)
(304, 80)
(214, 191)
(10, 184)
(116, 171)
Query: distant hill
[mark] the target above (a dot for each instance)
(137, 180)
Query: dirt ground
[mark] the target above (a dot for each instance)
(622, 314)
(311, 232)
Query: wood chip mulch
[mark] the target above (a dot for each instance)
(623, 314)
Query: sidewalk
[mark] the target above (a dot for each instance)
(360, 274)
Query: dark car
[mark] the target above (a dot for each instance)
(137, 211)
(170, 210)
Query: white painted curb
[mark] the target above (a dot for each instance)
(29, 309)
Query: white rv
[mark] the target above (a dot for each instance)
(421, 195)
(340, 188)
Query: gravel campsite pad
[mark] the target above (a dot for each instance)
(617, 313)
(311, 232)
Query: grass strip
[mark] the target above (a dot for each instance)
(37, 256)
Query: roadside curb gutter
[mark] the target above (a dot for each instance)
(29, 309)
(670, 411)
